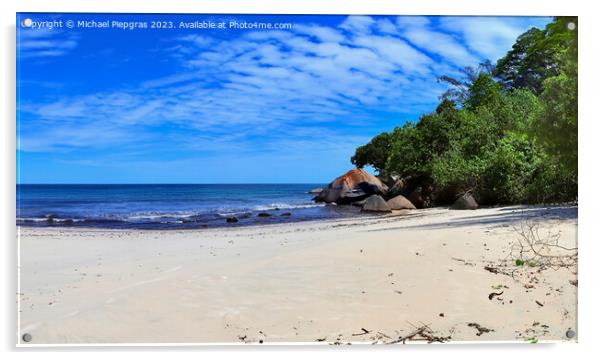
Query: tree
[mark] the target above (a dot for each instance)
(374, 153)
(459, 90)
(512, 140)
(483, 90)
(534, 57)
(557, 125)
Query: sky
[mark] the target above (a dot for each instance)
(182, 104)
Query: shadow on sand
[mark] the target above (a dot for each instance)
(505, 217)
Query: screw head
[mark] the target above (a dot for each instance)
(570, 333)
(26, 337)
(571, 26)
(26, 22)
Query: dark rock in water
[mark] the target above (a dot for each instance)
(264, 214)
(286, 214)
(315, 191)
(465, 202)
(416, 198)
(232, 219)
(353, 186)
(68, 222)
(51, 218)
(399, 203)
(398, 188)
(376, 203)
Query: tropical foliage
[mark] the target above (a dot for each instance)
(507, 133)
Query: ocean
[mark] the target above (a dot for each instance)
(170, 206)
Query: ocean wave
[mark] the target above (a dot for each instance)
(154, 215)
(280, 206)
(45, 219)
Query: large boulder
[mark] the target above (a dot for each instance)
(398, 188)
(376, 203)
(388, 180)
(465, 202)
(399, 203)
(353, 186)
(416, 198)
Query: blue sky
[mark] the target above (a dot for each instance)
(231, 105)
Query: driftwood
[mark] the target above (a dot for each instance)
(541, 250)
(364, 332)
(493, 294)
(480, 329)
(422, 333)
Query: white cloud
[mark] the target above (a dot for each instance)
(419, 32)
(357, 24)
(491, 37)
(43, 43)
(289, 88)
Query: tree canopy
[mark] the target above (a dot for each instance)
(508, 133)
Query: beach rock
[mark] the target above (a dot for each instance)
(465, 202)
(416, 198)
(315, 191)
(398, 188)
(360, 203)
(388, 179)
(50, 218)
(399, 203)
(264, 214)
(231, 219)
(376, 203)
(286, 214)
(354, 185)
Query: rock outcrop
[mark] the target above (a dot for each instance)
(353, 186)
(398, 188)
(399, 203)
(376, 203)
(465, 202)
(416, 198)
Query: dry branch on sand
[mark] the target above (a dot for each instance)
(421, 333)
(534, 249)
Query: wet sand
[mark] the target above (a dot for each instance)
(372, 280)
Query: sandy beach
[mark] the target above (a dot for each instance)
(369, 280)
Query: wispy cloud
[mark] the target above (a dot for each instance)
(313, 89)
(44, 43)
(491, 37)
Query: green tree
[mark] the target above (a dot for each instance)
(484, 90)
(508, 141)
(534, 57)
(374, 153)
(459, 90)
(557, 125)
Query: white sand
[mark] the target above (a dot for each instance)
(296, 282)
